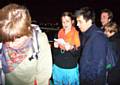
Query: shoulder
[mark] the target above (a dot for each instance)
(61, 30)
(99, 36)
(36, 27)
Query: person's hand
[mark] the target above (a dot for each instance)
(60, 41)
(56, 44)
(68, 46)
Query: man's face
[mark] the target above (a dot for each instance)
(82, 23)
(104, 18)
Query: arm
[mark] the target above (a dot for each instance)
(99, 55)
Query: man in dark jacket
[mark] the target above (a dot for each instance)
(94, 49)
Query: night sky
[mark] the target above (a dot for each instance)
(49, 11)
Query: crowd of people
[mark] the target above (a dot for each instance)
(76, 58)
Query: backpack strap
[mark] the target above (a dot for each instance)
(35, 44)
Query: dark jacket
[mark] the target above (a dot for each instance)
(114, 73)
(93, 59)
(115, 42)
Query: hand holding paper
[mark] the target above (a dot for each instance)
(60, 41)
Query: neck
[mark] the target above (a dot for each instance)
(67, 30)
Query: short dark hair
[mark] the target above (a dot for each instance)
(110, 13)
(87, 13)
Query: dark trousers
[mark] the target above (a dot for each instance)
(114, 77)
(99, 81)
